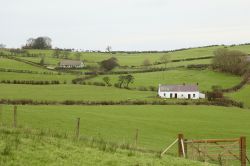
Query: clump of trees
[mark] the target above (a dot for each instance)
(231, 61)
(107, 81)
(124, 81)
(109, 64)
(38, 43)
(216, 93)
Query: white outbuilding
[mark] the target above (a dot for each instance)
(180, 91)
(71, 64)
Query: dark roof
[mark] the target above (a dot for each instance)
(70, 62)
(178, 88)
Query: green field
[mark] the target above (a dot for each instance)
(38, 77)
(13, 64)
(205, 78)
(70, 92)
(158, 125)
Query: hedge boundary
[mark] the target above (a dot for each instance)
(218, 102)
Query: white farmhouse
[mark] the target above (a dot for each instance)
(180, 91)
(71, 64)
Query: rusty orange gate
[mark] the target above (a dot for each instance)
(222, 151)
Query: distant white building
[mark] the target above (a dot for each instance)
(71, 64)
(180, 92)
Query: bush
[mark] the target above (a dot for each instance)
(142, 88)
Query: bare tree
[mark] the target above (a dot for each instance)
(232, 61)
(56, 53)
(109, 49)
(78, 55)
(146, 63)
(165, 59)
(2, 45)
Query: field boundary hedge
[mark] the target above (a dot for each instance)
(217, 102)
(236, 87)
(134, 72)
(31, 82)
(25, 71)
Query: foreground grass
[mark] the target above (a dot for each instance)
(158, 125)
(70, 92)
(18, 147)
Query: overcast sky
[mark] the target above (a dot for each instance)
(126, 24)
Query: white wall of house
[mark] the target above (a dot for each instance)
(180, 95)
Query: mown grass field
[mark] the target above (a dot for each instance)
(70, 92)
(19, 148)
(205, 78)
(158, 125)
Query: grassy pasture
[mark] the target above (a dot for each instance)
(13, 64)
(205, 78)
(185, 63)
(158, 125)
(48, 60)
(243, 95)
(70, 92)
(38, 77)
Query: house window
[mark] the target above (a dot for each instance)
(164, 94)
(193, 95)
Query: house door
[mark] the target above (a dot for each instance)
(189, 96)
(175, 95)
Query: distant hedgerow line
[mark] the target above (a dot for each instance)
(31, 82)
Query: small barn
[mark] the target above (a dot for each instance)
(71, 64)
(180, 91)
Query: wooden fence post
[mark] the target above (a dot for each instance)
(136, 136)
(15, 117)
(243, 154)
(185, 147)
(1, 115)
(77, 127)
(180, 137)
